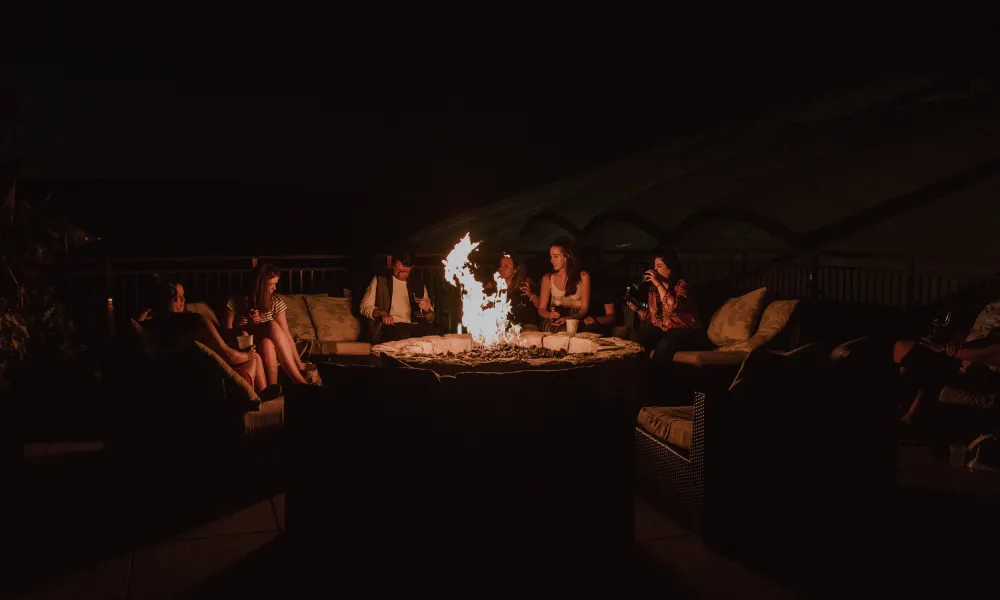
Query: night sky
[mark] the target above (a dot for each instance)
(337, 135)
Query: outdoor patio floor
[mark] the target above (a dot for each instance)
(243, 550)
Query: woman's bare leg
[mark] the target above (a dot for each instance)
(259, 379)
(269, 357)
(284, 349)
(899, 352)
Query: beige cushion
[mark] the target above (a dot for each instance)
(986, 322)
(701, 358)
(776, 316)
(344, 348)
(333, 319)
(238, 389)
(202, 308)
(968, 396)
(300, 323)
(671, 425)
(737, 319)
(270, 415)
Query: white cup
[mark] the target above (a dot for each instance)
(571, 325)
(244, 341)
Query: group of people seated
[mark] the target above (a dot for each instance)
(568, 291)
(396, 305)
(258, 311)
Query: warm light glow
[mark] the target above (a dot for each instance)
(484, 316)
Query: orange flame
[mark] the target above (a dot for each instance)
(483, 315)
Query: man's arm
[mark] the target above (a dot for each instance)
(429, 315)
(988, 355)
(367, 307)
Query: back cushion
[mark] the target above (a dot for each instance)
(737, 320)
(300, 324)
(987, 321)
(776, 316)
(333, 319)
(203, 308)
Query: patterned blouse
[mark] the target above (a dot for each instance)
(241, 310)
(676, 311)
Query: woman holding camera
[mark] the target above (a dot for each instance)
(671, 312)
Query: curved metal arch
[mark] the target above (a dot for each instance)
(629, 218)
(740, 215)
(558, 221)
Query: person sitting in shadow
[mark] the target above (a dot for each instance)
(927, 366)
(168, 327)
(604, 318)
(396, 303)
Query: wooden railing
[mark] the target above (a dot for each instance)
(895, 281)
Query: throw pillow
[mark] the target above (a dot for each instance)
(986, 322)
(333, 319)
(737, 320)
(776, 316)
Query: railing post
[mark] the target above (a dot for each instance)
(814, 276)
(109, 289)
(911, 284)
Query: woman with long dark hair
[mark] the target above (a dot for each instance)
(169, 327)
(261, 312)
(565, 292)
(671, 313)
(523, 300)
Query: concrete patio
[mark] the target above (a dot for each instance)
(78, 536)
(242, 551)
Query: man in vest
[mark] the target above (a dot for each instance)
(396, 304)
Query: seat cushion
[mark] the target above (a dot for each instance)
(776, 316)
(333, 319)
(671, 425)
(701, 358)
(737, 319)
(327, 348)
(270, 416)
(971, 396)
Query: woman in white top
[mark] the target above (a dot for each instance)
(565, 291)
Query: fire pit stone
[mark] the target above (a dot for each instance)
(532, 348)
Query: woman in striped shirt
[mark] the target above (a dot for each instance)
(261, 312)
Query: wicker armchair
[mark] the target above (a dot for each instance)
(753, 458)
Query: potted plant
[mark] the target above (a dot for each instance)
(36, 332)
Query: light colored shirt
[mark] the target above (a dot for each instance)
(400, 309)
(241, 310)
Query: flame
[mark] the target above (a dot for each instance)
(483, 315)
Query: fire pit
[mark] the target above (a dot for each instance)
(511, 450)
(455, 353)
